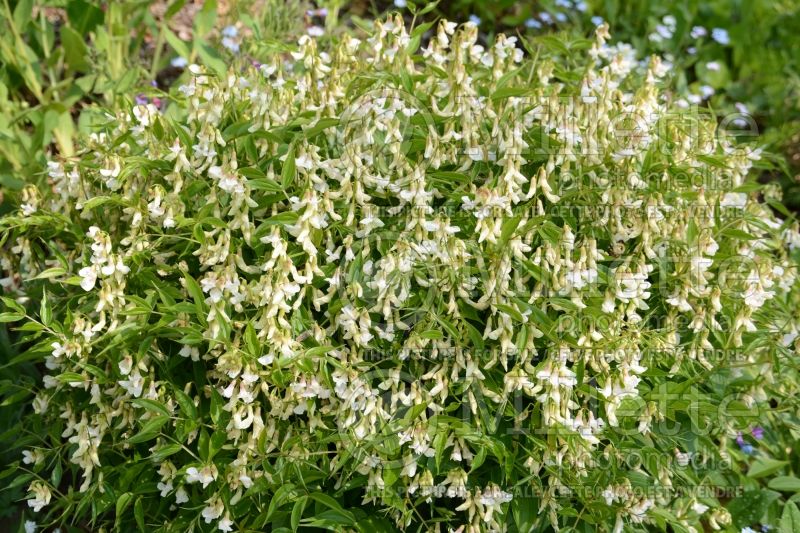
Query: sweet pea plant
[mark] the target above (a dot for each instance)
(395, 285)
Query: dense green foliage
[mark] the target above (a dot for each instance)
(398, 276)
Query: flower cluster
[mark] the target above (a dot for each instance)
(334, 281)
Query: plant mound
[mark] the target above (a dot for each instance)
(388, 285)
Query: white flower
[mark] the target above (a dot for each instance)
(181, 496)
(125, 364)
(734, 199)
(316, 31)
(706, 91)
(213, 510)
(41, 496)
(721, 36)
(713, 66)
(134, 384)
(495, 496)
(165, 488)
(179, 62)
(88, 277)
(225, 524)
(32, 456)
(58, 349)
(756, 296)
(205, 475)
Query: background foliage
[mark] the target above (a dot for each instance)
(61, 62)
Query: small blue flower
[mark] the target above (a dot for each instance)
(230, 31)
(561, 17)
(533, 23)
(230, 44)
(179, 62)
(582, 6)
(141, 99)
(747, 448)
(475, 19)
(400, 3)
(721, 36)
(597, 20)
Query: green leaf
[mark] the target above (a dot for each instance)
(765, 466)
(13, 304)
(50, 273)
(180, 46)
(151, 405)
(321, 125)
(165, 451)
(22, 14)
(282, 494)
(264, 184)
(216, 405)
(70, 377)
(790, 519)
(333, 505)
(138, 512)
(186, 404)
(508, 92)
(785, 484)
(123, 501)
(83, 16)
(75, 50)
(289, 170)
(212, 60)
(738, 234)
(508, 229)
(216, 443)
(10, 317)
(205, 19)
(194, 290)
(510, 311)
(150, 430)
(173, 9)
(749, 508)
(297, 511)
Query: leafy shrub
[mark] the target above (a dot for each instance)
(384, 286)
(734, 57)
